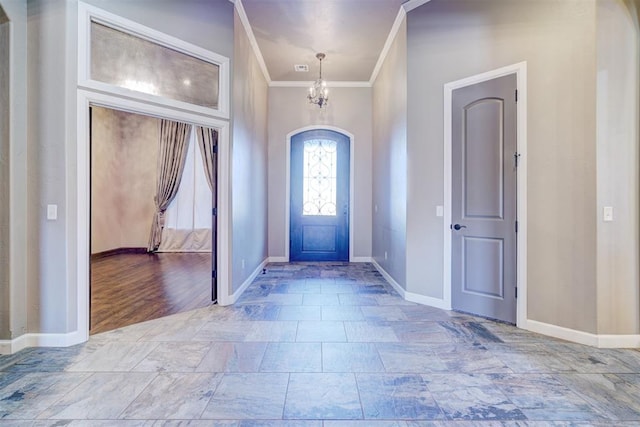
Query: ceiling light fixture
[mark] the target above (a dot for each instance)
(318, 93)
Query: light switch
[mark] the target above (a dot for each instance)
(52, 212)
(607, 213)
(439, 210)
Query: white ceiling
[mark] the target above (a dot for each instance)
(352, 33)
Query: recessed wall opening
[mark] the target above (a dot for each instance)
(135, 277)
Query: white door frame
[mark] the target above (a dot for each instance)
(287, 214)
(87, 99)
(520, 70)
(91, 93)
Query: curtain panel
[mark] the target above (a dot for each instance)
(173, 144)
(208, 141)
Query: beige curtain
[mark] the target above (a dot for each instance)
(174, 140)
(208, 141)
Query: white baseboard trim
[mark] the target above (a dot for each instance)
(278, 259)
(41, 340)
(586, 338)
(619, 341)
(426, 300)
(399, 289)
(410, 296)
(562, 333)
(237, 294)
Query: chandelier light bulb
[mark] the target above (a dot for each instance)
(318, 93)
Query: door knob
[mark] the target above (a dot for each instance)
(458, 226)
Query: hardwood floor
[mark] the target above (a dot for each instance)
(132, 288)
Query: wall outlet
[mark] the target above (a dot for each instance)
(385, 254)
(607, 213)
(242, 264)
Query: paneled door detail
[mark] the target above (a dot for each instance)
(483, 214)
(319, 207)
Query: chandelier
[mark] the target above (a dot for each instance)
(318, 92)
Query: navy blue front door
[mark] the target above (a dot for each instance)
(319, 216)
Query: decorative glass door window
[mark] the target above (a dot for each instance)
(128, 61)
(319, 177)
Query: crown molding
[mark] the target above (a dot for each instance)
(306, 84)
(387, 44)
(402, 14)
(252, 39)
(412, 4)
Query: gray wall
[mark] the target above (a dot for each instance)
(349, 109)
(249, 161)
(389, 163)
(15, 322)
(617, 167)
(5, 294)
(452, 39)
(51, 142)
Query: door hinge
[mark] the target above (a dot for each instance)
(516, 95)
(214, 274)
(215, 149)
(516, 158)
(516, 292)
(214, 211)
(516, 226)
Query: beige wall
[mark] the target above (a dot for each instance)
(349, 109)
(124, 153)
(452, 39)
(249, 161)
(389, 162)
(617, 168)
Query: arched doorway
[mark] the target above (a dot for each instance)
(319, 196)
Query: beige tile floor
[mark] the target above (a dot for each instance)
(321, 345)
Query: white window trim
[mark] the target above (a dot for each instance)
(88, 14)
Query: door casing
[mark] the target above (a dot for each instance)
(85, 100)
(520, 70)
(288, 187)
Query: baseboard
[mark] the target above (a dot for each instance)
(619, 341)
(399, 289)
(277, 259)
(586, 338)
(41, 340)
(426, 300)
(118, 251)
(410, 296)
(237, 294)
